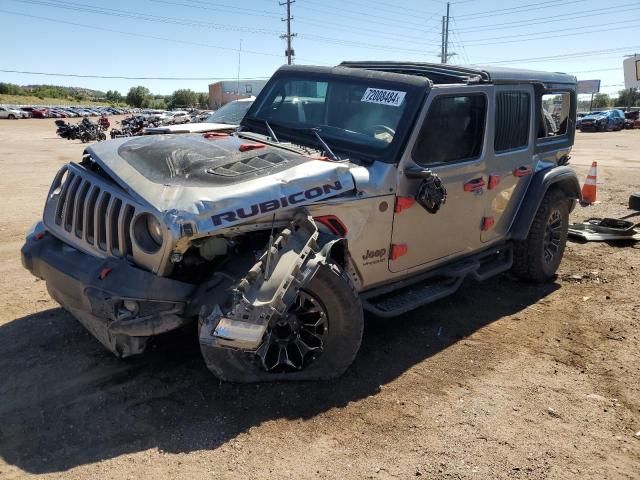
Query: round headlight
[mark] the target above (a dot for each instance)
(155, 230)
(147, 232)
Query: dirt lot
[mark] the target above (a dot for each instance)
(502, 380)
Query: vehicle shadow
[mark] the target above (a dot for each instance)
(67, 402)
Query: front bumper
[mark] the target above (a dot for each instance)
(94, 289)
(594, 126)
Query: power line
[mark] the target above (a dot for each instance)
(586, 53)
(363, 31)
(518, 9)
(199, 24)
(543, 20)
(544, 36)
(198, 4)
(600, 70)
(349, 43)
(402, 24)
(122, 77)
(201, 5)
(66, 5)
(217, 7)
(388, 7)
(460, 44)
(141, 35)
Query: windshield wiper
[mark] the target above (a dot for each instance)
(271, 132)
(316, 131)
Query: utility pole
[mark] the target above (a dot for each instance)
(442, 57)
(445, 41)
(289, 52)
(239, 53)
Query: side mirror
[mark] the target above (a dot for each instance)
(417, 173)
(431, 193)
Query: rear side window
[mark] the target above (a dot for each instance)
(512, 121)
(554, 114)
(453, 130)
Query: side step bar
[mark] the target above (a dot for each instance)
(408, 294)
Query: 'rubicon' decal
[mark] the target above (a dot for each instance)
(249, 211)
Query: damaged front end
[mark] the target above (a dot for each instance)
(266, 292)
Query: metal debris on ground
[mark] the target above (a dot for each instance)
(604, 229)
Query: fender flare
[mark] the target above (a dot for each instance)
(562, 177)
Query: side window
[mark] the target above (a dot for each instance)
(512, 121)
(554, 114)
(453, 130)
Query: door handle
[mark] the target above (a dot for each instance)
(522, 171)
(474, 185)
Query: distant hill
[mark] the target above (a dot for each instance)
(73, 91)
(52, 91)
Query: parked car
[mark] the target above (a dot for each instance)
(368, 186)
(226, 119)
(39, 113)
(57, 113)
(603, 121)
(632, 119)
(70, 112)
(12, 113)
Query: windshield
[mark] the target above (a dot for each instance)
(231, 113)
(346, 110)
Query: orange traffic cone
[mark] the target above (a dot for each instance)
(589, 188)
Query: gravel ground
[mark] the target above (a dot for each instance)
(501, 380)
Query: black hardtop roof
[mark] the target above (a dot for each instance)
(415, 81)
(446, 73)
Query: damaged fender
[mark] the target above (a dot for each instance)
(268, 289)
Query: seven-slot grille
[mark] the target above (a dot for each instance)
(88, 213)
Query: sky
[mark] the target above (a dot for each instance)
(196, 42)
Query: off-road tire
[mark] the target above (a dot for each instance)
(634, 201)
(529, 255)
(331, 286)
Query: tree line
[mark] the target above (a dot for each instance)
(140, 97)
(51, 91)
(625, 98)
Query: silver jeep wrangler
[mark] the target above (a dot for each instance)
(376, 186)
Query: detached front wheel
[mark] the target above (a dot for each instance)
(317, 339)
(538, 257)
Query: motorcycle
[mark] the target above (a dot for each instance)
(66, 130)
(132, 127)
(85, 131)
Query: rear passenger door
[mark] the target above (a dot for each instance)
(511, 164)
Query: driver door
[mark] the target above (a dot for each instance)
(451, 141)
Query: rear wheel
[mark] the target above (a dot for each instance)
(317, 339)
(11, 116)
(538, 257)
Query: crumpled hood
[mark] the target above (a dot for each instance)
(214, 181)
(595, 117)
